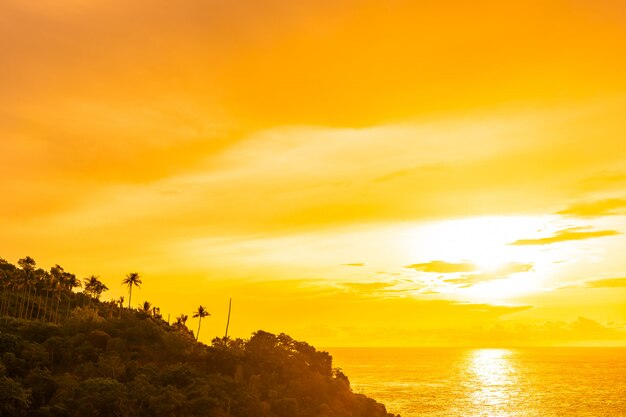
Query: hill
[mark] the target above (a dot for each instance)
(70, 355)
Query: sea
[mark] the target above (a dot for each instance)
(528, 382)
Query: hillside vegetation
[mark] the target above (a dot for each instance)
(64, 353)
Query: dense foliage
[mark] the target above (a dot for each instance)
(68, 354)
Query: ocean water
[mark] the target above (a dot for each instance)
(435, 382)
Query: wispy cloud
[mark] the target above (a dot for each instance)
(468, 280)
(602, 181)
(354, 264)
(565, 235)
(443, 267)
(607, 283)
(608, 207)
(379, 287)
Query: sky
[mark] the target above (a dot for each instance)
(352, 173)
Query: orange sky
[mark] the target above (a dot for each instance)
(350, 172)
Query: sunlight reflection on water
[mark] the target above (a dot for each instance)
(492, 381)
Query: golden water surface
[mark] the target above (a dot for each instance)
(490, 382)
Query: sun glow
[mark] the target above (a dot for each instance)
(483, 241)
(493, 269)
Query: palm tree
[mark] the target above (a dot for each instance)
(34, 281)
(145, 308)
(16, 288)
(56, 295)
(70, 283)
(182, 319)
(132, 280)
(28, 268)
(230, 304)
(110, 307)
(181, 323)
(200, 313)
(55, 276)
(94, 287)
(6, 283)
(120, 302)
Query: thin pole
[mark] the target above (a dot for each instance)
(230, 303)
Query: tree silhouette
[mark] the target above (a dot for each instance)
(94, 287)
(200, 313)
(120, 303)
(6, 284)
(71, 282)
(28, 268)
(182, 319)
(132, 280)
(48, 370)
(52, 282)
(181, 323)
(145, 308)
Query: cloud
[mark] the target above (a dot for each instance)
(443, 267)
(603, 181)
(607, 283)
(366, 287)
(476, 276)
(411, 172)
(565, 235)
(465, 281)
(355, 264)
(514, 268)
(608, 207)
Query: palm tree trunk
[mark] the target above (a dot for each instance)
(4, 299)
(51, 315)
(39, 307)
(199, 323)
(27, 303)
(230, 303)
(45, 307)
(56, 314)
(68, 304)
(32, 308)
(19, 313)
(130, 295)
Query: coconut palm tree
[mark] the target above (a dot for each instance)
(57, 289)
(132, 280)
(6, 284)
(230, 304)
(94, 287)
(120, 302)
(145, 308)
(182, 319)
(70, 282)
(48, 281)
(27, 265)
(34, 282)
(200, 313)
(16, 289)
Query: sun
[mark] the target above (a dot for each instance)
(483, 241)
(499, 270)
